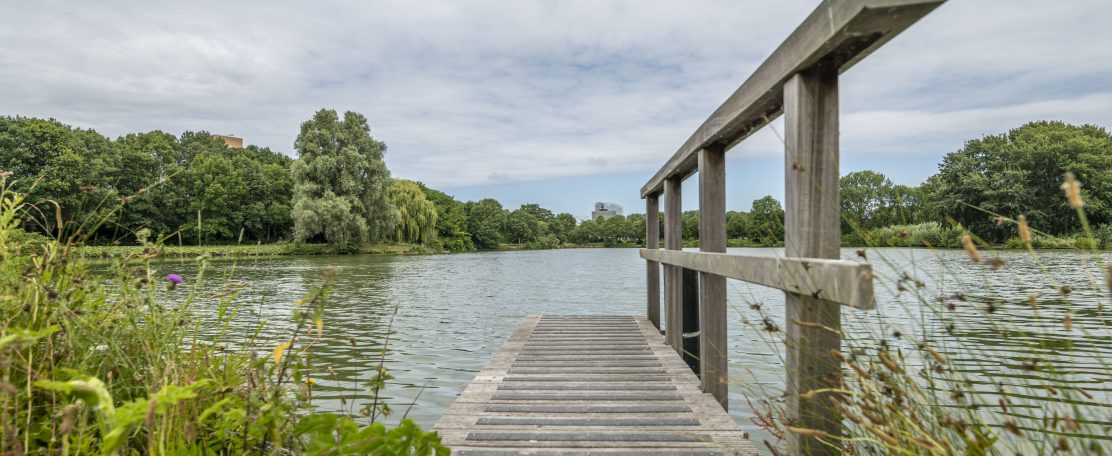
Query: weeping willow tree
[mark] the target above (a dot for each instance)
(417, 221)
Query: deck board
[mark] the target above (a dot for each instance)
(588, 385)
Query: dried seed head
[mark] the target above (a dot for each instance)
(151, 411)
(1024, 231)
(1073, 190)
(1067, 322)
(69, 415)
(1033, 299)
(967, 244)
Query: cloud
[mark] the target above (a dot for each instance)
(470, 93)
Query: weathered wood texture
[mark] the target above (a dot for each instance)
(673, 276)
(712, 287)
(545, 394)
(652, 241)
(842, 31)
(840, 281)
(812, 228)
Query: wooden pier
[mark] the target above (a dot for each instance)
(613, 385)
(577, 385)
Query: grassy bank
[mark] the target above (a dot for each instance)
(241, 250)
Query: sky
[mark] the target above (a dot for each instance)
(561, 103)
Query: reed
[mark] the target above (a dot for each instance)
(959, 360)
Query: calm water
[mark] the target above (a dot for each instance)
(454, 311)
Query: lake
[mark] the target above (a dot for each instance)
(454, 311)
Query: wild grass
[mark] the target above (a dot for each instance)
(96, 359)
(979, 352)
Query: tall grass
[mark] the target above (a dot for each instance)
(965, 362)
(93, 359)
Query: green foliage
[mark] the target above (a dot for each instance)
(766, 221)
(163, 180)
(340, 192)
(451, 221)
(522, 226)
(928, 234)
(96, 360)
(416, 214)
(1021, 173)
(486, 221)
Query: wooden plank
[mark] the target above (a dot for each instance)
(712, 287)
(841, 281)
(673, 240)
(842, 31)
(812, 228)
(652, 241)
(571, 413)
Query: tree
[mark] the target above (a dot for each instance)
(562, 226)
(485, 221)
(217, 190)
(690, 224)
(766, 221)
(1021, 172)
(417, 215)
(868, 201)
(340, 191)
(522, 226)
(451, 221)
(736, 224)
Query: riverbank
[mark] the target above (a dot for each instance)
(258, 250)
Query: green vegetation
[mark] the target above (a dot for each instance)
(106, 360)
(341, 191)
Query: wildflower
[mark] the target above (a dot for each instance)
(174, 280)
(280, 350)
(1024, 231)
(967, 243)
(1073, 190)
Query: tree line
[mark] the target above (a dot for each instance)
(339, 190)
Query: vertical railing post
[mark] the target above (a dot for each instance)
(673, 278)
(652, 241)
(712, 288)
(690, 317)
(812, 229)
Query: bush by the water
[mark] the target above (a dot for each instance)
(99, 360)
(929, 234)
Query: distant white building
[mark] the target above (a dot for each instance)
(605, 211)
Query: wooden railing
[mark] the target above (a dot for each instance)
(799, 80)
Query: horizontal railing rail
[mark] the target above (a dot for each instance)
(839, 281)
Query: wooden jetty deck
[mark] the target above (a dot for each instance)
(578, 385)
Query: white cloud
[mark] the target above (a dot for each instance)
(481, 92)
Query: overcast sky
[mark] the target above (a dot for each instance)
(562, 103)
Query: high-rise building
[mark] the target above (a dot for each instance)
(605, 211)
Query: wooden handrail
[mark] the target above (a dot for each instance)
(799, 80)
(845, 31)
(839, 281)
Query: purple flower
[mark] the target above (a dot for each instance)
(174, 280)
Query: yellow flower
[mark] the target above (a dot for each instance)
(281, 350)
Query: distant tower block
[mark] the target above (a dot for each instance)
(605, 211)
(231, 141)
